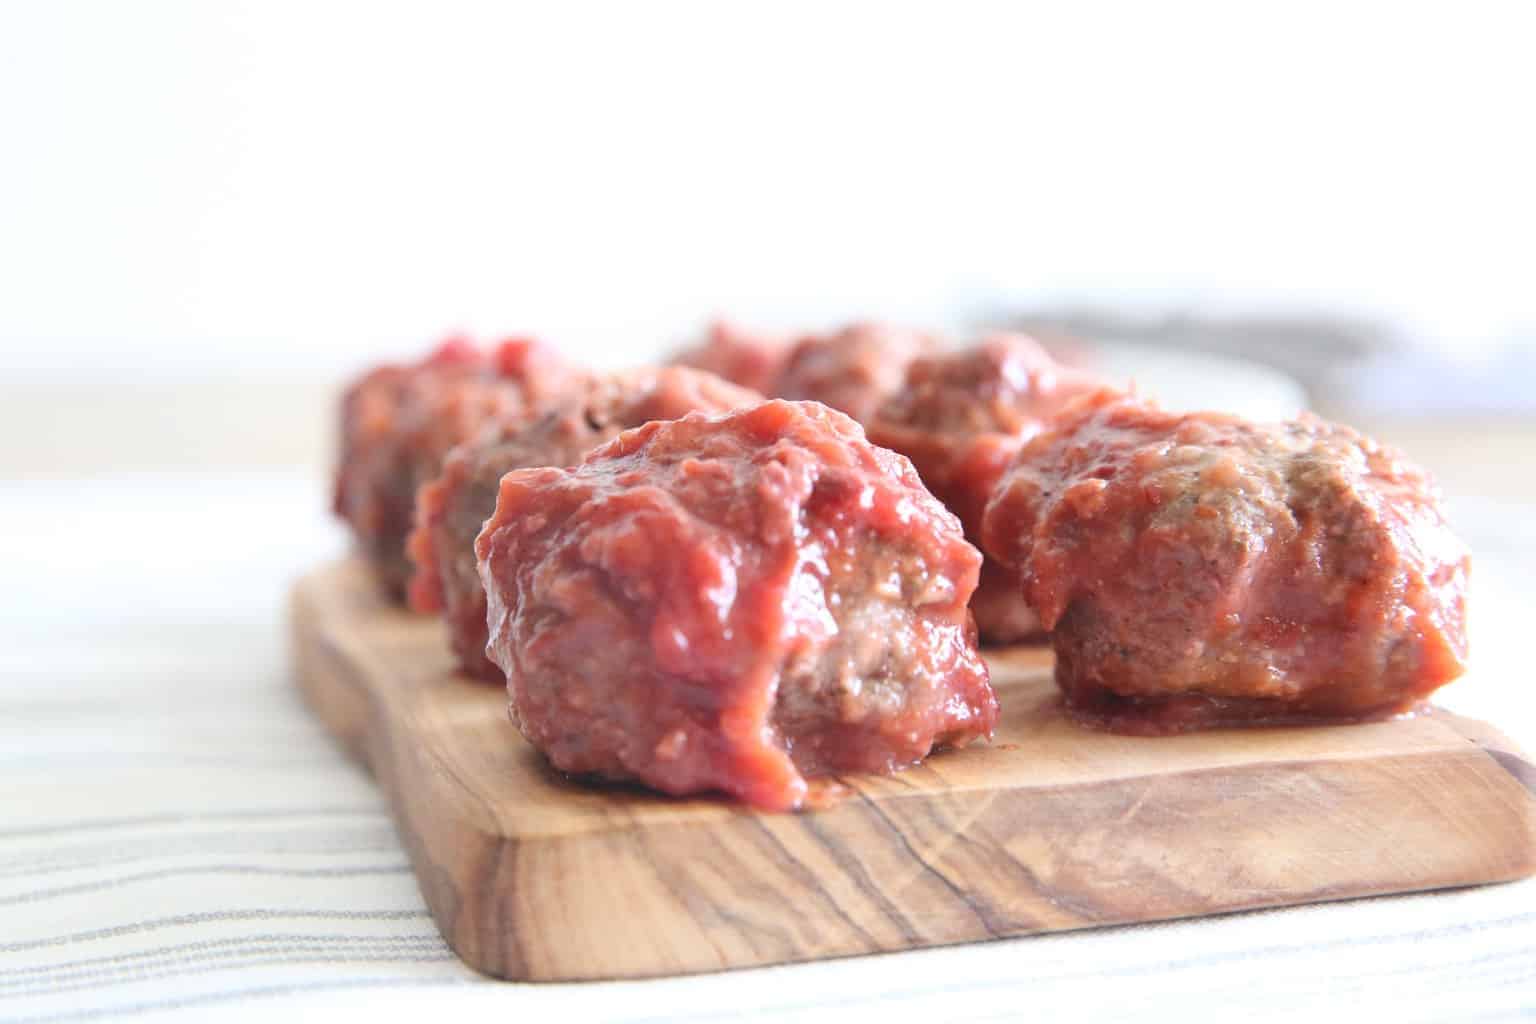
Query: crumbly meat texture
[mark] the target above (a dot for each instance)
(1199, 570)
(751, 359)
(961, 418)
(853, 369)
(399, 421)
(734, 603)
(453, 507)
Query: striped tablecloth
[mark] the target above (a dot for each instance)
(178, 837)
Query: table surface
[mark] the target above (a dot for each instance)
(181, 839)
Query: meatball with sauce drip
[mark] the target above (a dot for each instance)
(398, 422)
(1199, 570)
(453, 507)
(961, 417)
(734, 603)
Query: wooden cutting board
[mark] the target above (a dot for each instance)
(534, 877)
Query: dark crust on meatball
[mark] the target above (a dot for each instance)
(1199, 570)
(750, 359)
(399, 421)
(961, 418)
(734, 603)
(452, 508)
(853, 369)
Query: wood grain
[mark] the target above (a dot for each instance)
(534, 877)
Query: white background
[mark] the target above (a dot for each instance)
(274, 184)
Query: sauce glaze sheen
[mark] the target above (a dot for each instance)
(1200, 570)
(736, 603)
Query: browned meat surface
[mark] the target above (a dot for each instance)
(1199, 570)
(452, 508)
(399, 421)
(851, 370)
(734, 603)
(961, 417)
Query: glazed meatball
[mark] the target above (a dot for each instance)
(453, 507)
(1199, 570)
(853, 369)
(399, 421)
(961, 418)
(734, 603)
(750, 359)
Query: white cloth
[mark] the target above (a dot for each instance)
(179, 838)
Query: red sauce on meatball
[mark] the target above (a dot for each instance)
(1200, 570)
(453, 507)
(961, 417)
(734, 603)
(399, 421)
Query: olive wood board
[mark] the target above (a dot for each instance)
(535, 877)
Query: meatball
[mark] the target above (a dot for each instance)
(398, 421)
(961, 418)
(743, 357)
(853, 369)
(453, 507)
(734, 603)
(1200, 571)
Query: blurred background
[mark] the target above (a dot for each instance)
(211, 213)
